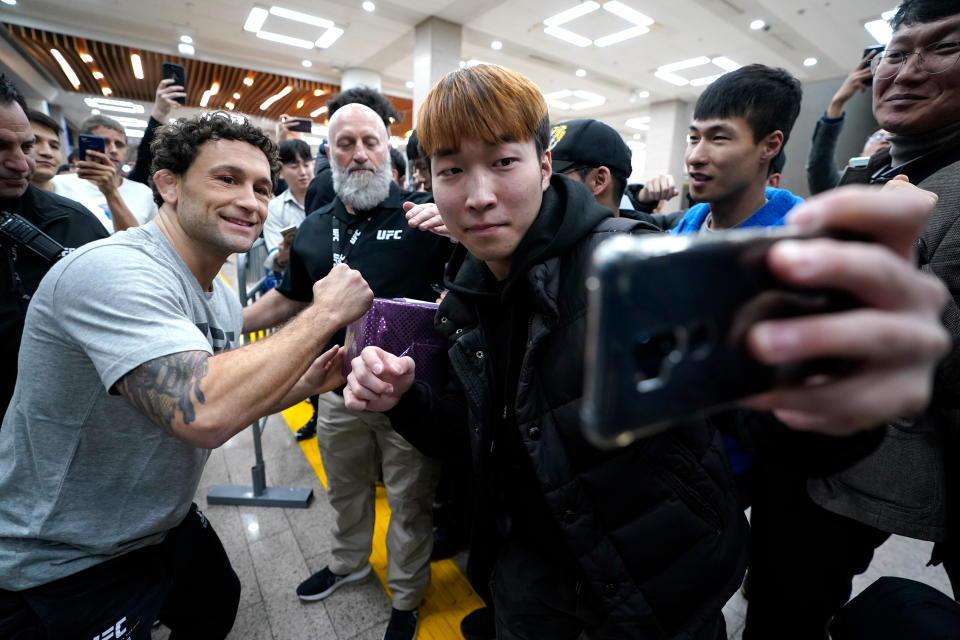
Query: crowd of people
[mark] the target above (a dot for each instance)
(116, 389)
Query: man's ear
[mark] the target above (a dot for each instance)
(546, 170)
(771, 145)
(168, 185)
(599, 179)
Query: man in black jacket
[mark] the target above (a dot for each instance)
(645, 541)
(66, 221)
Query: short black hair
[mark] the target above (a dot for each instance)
(399, 162)
(9, 93)
(367, 97)
(917, 11)
(176, 144)
(42, 119)
(767, 98)
(293, 150)
(618, 178)
(414, 150)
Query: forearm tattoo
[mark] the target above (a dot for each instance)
(162, 386)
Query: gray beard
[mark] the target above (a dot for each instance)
(361, 190)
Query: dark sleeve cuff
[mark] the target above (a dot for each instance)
(826, 118)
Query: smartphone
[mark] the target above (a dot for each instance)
(878, 48)
(288, 232)
(304, 125)
(666, 324)
(87, 141)
(175, 71)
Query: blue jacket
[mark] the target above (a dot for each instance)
(779, 203)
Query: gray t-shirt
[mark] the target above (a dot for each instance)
(85, 477)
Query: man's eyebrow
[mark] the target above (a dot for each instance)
(231, 168)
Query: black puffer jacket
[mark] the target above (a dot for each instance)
(654, 527)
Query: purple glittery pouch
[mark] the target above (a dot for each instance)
(402, 327)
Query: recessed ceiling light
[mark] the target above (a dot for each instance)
(620, 36)
(255, 19)
(809, 62)
(137, 65)
(705, 80)
(318, 92)
(558, 99)
(880, 30)
(328, 38)
(725, 63)
(135, 123)
(282, 39)
(568, 36)
(684, 64)
(269, 101)
(496, 45)
(316, 112)
(230, 105)
(66, 68)
(98, 75)
(621, 10)
(94, 112)
(186, 39)
(86, 57)
(581, 73)
(186, 49)
(120, 106)
(306, 63)
(300, 103)
(107, 91)
(757, 24)
(236, 96)
(9, 2)
(369, 7)
(409, 84)
(644, 94)
(298, 16)
(248, 81)
(212, 91)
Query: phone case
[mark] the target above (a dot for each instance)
(667, 320)
(86, 141)
(176, 71)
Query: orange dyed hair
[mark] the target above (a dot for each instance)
(484, 101)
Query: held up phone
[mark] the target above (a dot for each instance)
(288, 232)
(303, 125)
(878, 48)
(87, 141)
(666, 325)
(175, 71)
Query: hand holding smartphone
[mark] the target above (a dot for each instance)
(667, 322)
(178, 75)
(300, 125)
(89, 142)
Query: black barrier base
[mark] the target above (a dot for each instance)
(287, 497)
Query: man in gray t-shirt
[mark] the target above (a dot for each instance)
(127, 379)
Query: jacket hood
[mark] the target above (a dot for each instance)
(568, 212)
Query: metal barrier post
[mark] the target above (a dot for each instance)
(258, 494)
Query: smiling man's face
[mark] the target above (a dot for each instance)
(914, 101)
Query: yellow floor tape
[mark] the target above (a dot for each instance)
(449, 597)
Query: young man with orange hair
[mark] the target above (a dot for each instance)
(646, 541)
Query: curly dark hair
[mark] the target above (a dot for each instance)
(9, 93)
(177, 144)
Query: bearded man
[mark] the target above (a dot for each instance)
(365, 226)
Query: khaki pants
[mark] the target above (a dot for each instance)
(348, 442)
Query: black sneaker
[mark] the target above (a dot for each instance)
(308, 430)
(324, 582)
(402, 625)
(479, 625)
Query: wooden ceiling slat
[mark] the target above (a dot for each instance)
(114, 62)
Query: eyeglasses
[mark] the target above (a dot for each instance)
(932, 59)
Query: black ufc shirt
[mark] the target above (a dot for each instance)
(396, 260)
